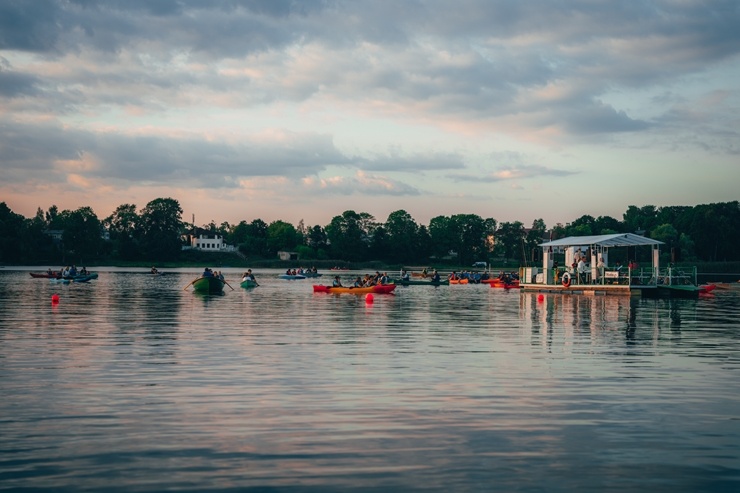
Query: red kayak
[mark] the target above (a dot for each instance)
(707, 288)
(46, 275)
(378, 289)
(498, 283)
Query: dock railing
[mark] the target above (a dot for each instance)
(622, 277)
(673, 276)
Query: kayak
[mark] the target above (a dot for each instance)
(377, 289)
(421, 282)
(707, 288)
(82, 278)
(498, 283)
(46, 275)
(459, 281)
(291, 277)
(212, 285)
(249, 283)
(58, 275)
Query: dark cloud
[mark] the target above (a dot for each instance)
(29, 26)
(13, 84)
(540, 65)
(600, 118)
(176, 161)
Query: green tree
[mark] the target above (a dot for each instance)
(402, 237)
(534, 239)
(640, 219)
(424, 245)
(348, 235)
(469, 236)
(715, 229)
(238, 234)
(123, 227)
(443, 236)
(255, 240)
(559, 231)
(472, 233)
(82, 229)
(36, 245)
(316, 238)
(605, 225)
(687, 248)
(583, 226)
(52, 218)
(11, 224)
(282, 236)
(670, 236)
(160, 228)
(510, 239)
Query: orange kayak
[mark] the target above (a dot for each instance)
(378, 289)
(458, 281)
(498, 283)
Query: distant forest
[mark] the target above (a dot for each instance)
(157, 233)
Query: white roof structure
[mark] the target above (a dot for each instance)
(613, 240)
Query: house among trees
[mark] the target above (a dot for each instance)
(287, 255)
(209, 243)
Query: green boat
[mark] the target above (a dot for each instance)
(421, 282)
(212, 285)
(680, 291)
(249, 283)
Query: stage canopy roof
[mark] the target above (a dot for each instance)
(613, 240)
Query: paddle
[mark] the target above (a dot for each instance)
(229, 285)
(190, 284)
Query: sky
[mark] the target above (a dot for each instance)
(300, 110)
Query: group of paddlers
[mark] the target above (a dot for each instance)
(364, 281)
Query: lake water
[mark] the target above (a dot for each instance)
(131, 383)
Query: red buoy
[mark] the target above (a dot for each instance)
(369, 298)
(55, 298)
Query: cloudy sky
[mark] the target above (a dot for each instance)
(300, 110)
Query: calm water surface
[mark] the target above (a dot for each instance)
(131, 383)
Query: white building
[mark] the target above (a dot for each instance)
(207, 243)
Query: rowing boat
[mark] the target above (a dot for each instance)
(211, 284)
(291, 277)
(377, 289)
(249, 283)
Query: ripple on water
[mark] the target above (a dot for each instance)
(133, 383)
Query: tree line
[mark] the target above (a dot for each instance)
(157, 233)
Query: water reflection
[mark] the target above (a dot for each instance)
(431, 389)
